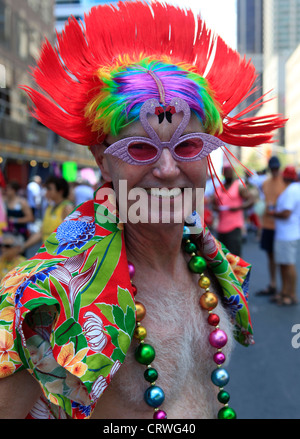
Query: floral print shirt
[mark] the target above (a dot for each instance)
(67, 315)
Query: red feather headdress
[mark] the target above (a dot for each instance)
(67, 73)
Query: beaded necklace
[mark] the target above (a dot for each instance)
(145, 353)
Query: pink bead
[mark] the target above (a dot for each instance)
(160, 414)
(131, 270)
(219, 358)
(218, 338)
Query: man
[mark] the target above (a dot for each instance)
(130, 85)
(230, 201)
(287, 235)
(83, 191)
(34, 196)
(272, 188)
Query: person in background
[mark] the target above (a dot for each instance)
(287, 235)
(257, 179)
(34, 196)
(82, 191)
(252, 219)
(19, 213)
(11, 247)
(57, 192)
(210, 216)
(232, 198)
(59, 207)
(3, 218)
(272, 187)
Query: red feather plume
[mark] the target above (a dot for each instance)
(67, 73)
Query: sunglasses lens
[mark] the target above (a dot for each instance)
(142, 151)
(189, 148)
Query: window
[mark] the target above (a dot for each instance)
(67, 2)
(22, 39)
(46, 11)
(4, 102)
(250, 38)
(42, 7)
(65, 18)
(34, 4)
(34, 43)
(5, 24)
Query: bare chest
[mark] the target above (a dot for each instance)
(177, 328)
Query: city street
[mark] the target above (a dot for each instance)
(265, 378)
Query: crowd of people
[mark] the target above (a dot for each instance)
(268, 204)
(30, 214)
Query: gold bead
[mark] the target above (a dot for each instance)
(140, 332)
(208, 301)
(204, 282)
(140, 311)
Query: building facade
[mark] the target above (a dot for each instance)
(292, 106)
(27, 147)
(250, 44)
(281, 38)
(281, 27)
(250, 37)
(280, 24)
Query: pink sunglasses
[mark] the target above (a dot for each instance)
(144, 150)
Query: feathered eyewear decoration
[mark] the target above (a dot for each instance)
(101, 71)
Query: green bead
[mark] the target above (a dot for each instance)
(197, 264)
(144, 353)
(226, 413)
(223, 396)
(190, 247)
(150, 374)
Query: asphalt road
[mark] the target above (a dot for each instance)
(265, 377)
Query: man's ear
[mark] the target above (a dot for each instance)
(101, 160)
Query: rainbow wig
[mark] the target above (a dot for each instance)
(99, 73)
(127, 86)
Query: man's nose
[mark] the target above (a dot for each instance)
(166, 166)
